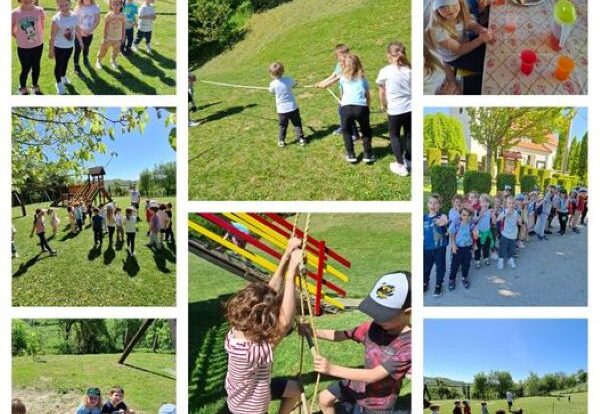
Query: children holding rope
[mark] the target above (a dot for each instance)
(387, 342)
(394, 83)
(260, 315)
(28, 21)
(287, 108)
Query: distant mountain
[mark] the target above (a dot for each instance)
(447, 381)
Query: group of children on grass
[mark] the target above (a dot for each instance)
(456, 35)
(71, 34)
(464, 407)
(261, 315)
(108, 219)
(480, 227)
(394, 83)
(92, 403)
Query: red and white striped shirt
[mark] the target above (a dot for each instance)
(248, 375)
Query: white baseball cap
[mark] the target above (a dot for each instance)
(388, 297)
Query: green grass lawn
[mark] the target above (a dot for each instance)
(210, 287)
(233, 153)
(82, 276)
(52, 384)
(530, 405)
(139, 74)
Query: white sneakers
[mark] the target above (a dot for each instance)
(65, 80)
(148, 48)
(60, 88)
(98, 65)
(500, 264)
(399, 169)
(113, 64)
(511, 263)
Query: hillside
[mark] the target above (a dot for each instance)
(233, 153)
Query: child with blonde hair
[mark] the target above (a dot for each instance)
(28, 21)
(260, 315)
(447, 32)
(287, 108)
(438, 78)
(39, 227)
(130, 228)
(111, 223)
(88, 13)
(91, 403)
(65, 32)
(72, 220)
(146, 18)
(394, 83)
(114, 33)
(119, 224)
(54, 221)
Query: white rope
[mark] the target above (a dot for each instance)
(231, 85)
(334, 96)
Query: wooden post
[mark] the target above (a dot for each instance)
(136, 338)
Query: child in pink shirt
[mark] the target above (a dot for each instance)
(28, 31)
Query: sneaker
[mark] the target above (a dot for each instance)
(500, 264)
(356, 138)
(338, 131)
(368, 158)
(466, 283)
(98, 65)
(545, 238)
(135, 48)
(477, 264)
(451, 285)
(15, 255)
(65, 80)
(351, 158)
(511, 263)
(77, 70)
(53, 252)
(425, 287)
(576, 230)
(494, 255)
(520, 244)
(86, 61)
(113, 64)
(192, 123)
(487, 262)
(437, 292)
(37, 91)
(399, 169)
(23, 91)
(148, 49)
(303, 141)
(281, 143)
(60, 88)
(547, 232)
(408, 164)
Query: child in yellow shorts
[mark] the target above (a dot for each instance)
(114, 33)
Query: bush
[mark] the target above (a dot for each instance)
(505, 179)
(443, 182)
(546, 174)
(472, 163)
(529, 183)
(434, 157)
(477, 181)
(454, 158)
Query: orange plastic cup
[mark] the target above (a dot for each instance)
(564, 67)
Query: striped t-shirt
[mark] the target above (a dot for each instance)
(248, 375)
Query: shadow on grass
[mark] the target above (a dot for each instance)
(200, 108)
(131, 266)
(207, 361)
(163, 61)
(317, 134)
(160, 374)
(109, 255)
(145, 63)
(225, 113)
(97, 85)
(24, 267)
(68, 236)
(119, 245)
(161, 257)
(94, 253)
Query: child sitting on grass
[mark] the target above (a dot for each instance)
(91, 402)
(146, 18)
(115, 403)
(463, 235)
(39, 227)
(387, 342)
(18, 407)
(98, 228)
(260, 315)
(114, 33)
(287, 108)
(130, 229)
(435, 243)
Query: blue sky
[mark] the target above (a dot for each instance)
(135, 151)
(578, 128)
(460, 348)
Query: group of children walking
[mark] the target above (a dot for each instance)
(71, 35)
(394, 84)
(464, 407)
(109, 219)
(481, 228)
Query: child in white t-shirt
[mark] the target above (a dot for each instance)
(146, 17)
(287, 108)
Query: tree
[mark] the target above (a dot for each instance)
(145, 182)
(165, 177)
(498, 129)
(480, 386)
(444, 132)
(581, 376)
(532, 384)
(583, 158)
(573, 164)
(563, 146)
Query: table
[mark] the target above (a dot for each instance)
(502, 75)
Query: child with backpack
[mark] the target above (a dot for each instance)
(463, 236)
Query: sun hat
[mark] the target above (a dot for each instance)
(388, 297)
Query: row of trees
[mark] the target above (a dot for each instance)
(161, 180)
(215, 25)
(85, 336)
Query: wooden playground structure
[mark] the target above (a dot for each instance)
(274, 231)
(92, 190)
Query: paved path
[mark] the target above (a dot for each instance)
(549, 273)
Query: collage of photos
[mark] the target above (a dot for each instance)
(297, 184)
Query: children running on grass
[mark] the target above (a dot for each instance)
(475, 229)
(287, 108)
(260, 316)
(28, 21)
(387, 341)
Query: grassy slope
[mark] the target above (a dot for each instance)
(233, 153)
(148, 380)
(140, 74)
(79, 277)
(345, 233)
(530, 405)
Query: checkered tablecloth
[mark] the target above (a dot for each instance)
(502, 75)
